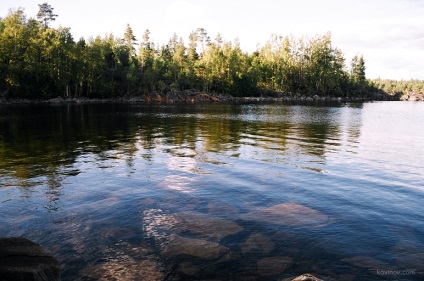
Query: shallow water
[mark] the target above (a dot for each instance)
(219, 192)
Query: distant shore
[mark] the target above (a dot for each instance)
(188, 97)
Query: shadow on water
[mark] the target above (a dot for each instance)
(224, 192)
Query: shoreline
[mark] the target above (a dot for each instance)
(190, 97)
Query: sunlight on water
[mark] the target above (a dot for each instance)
(220, 191)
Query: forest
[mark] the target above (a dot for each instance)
(38, 61)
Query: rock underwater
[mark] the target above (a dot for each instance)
(287, 214)
(22, 259)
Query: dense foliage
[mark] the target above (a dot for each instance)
(399, 87)
(38, 61)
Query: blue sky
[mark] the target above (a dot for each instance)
(389, 33)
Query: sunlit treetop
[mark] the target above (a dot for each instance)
(45, 15)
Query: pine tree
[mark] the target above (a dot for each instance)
(358, 71)
(45, 14)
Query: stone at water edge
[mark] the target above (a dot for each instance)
(22, 259)
(306, 277)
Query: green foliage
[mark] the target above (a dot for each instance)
(41, 62)
(306, 65)
(399, 87)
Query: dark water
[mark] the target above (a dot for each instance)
(137, 192)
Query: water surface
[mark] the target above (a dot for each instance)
(123, 191)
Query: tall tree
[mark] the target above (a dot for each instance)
(203, 39)
(358, 69)
(130, 40)
(45, 14)
(192, 47)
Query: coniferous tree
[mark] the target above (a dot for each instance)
(45, 14)
(358, 70)
(37, 61)
(130, 40)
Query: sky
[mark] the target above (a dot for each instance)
(388, 33)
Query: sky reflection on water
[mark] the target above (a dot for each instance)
(101, 186)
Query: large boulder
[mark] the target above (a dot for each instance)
(22, 259)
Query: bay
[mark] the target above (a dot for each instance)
(217, 191)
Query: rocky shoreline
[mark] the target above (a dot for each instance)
(413, 97)
(22, 259)
(189, 97)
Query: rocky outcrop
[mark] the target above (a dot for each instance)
(22, 259)
(190, 96)
(413, 97)
(288, 214)
(179, 97)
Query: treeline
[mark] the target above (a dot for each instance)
(399, 87)
(38, 61)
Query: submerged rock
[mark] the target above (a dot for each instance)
(310, 277)
(409, 254)
(288, 214)
(257, 242)
(373, 265)
(206, 225)
(223, 210)
(203, 249)
(188, 268)
(270, 266)
(306, 277)
(122, 270)
(118, 233)
(22, 259)
(157, 224)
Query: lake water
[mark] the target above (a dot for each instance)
(218, 191)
